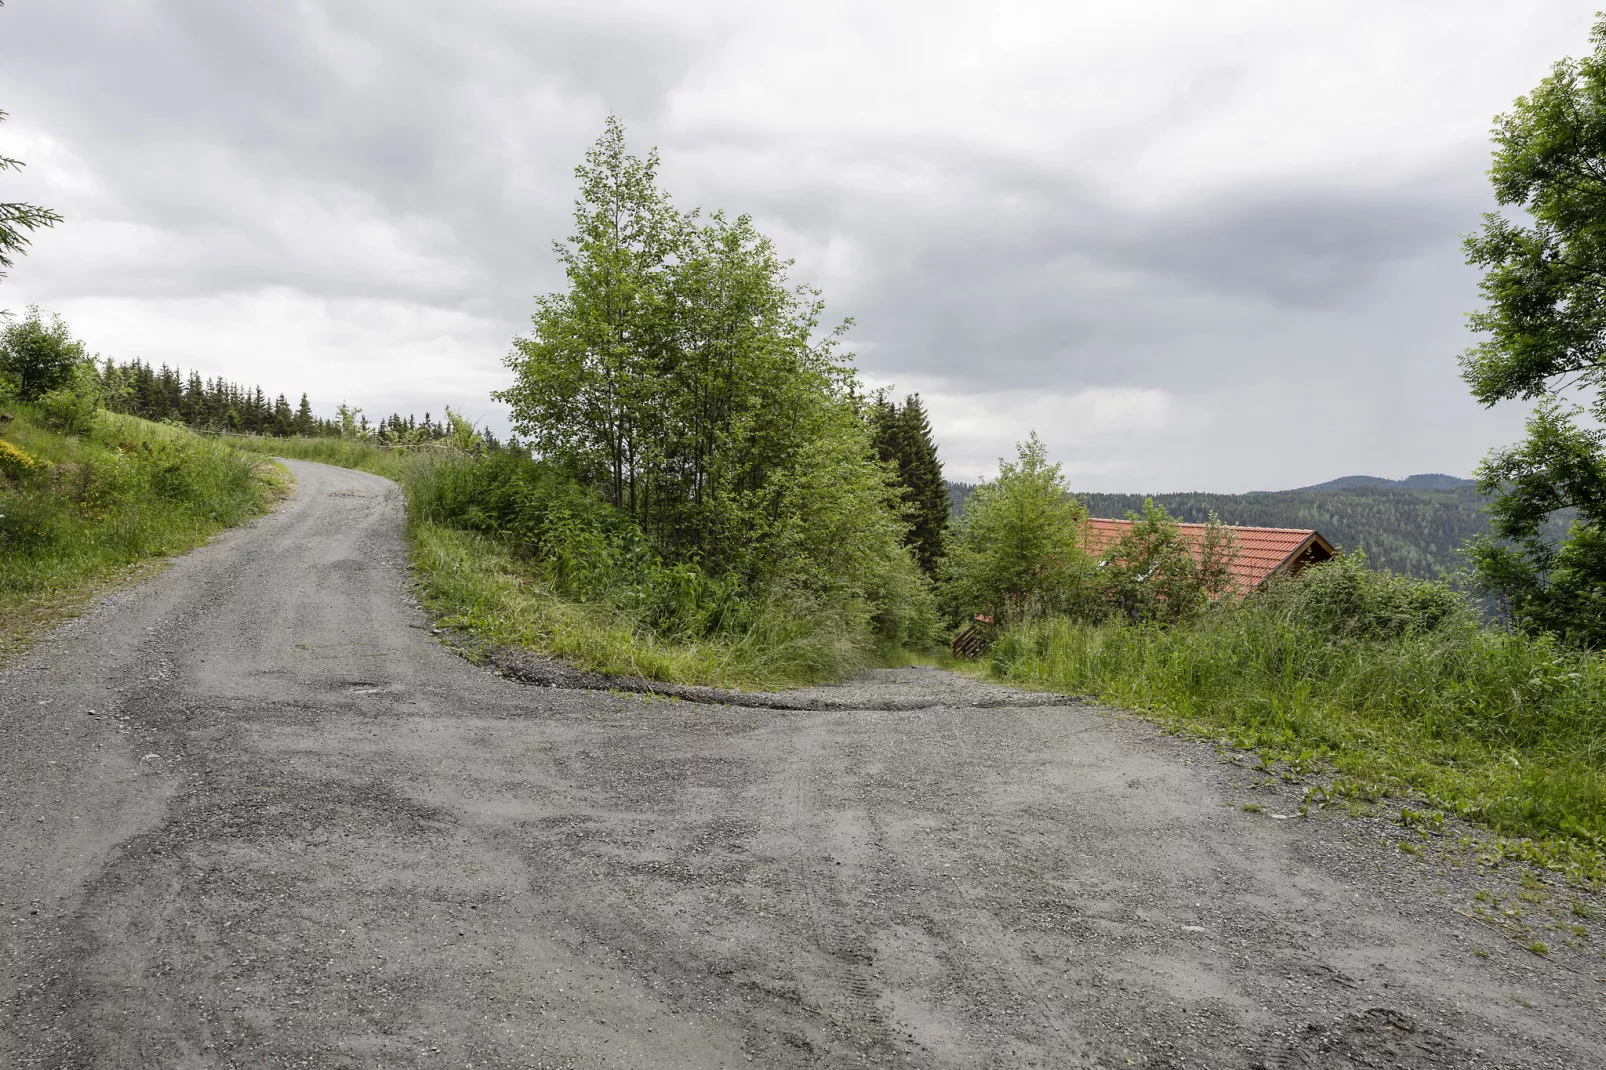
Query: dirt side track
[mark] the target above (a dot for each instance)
(297, 831)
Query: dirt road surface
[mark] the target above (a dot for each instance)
(256, 815)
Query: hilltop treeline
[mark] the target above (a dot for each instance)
(164, 393)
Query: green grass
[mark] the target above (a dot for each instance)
(473, 582)
(92, 508)
(396, 464)
(477, 582)
(1507, 731)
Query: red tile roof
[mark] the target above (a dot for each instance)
(1259, 552)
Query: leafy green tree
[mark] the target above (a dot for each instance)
(39, 355)
(1556, 586)
(1545, 286)
(1016, 549)
(1152, 574)
(903, 439)
(682, 376)
(589, 373)
(352, 423)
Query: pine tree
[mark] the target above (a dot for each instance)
(303, 422)
(921, 472)
(902, 438)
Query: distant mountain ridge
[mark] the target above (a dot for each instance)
(1422, 481)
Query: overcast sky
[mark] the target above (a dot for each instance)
(1196, 246)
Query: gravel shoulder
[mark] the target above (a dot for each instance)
(297, 829)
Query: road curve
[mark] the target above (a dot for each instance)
(297, 831)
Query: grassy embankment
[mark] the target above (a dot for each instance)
(481, 583)
(78, 511)
(1506, 731)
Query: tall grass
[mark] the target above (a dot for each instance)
(396, 464)
(532, 560)
(76, 510)
(478, 583)
(1506, 730)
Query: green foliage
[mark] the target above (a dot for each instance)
(39, 355)
(165, 393)
(1348, 598)
(1016, 550)
(1151, 574)
(580, 548)
(88, 505)
(517, 551)
(1412, 702)
(71, 407)
(1545, 287)
(680, 381)
(903, 440)
(478, 583)
(1558, 587)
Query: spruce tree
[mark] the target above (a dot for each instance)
(927, 495)
(902, 438)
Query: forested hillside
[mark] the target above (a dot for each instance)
(1415, 532)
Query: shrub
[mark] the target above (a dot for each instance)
(125, 491)
(1345, 597)
(15, 462)
(71, 407)
(39, 356)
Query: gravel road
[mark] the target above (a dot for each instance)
(257, 815)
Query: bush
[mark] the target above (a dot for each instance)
(16, 463)
(38, 356)
(71, 407)
(579, 547)
(1347, 598)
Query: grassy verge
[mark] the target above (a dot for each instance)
(79, 512)
(475, 582)
(1506, 731)
(483, 584)
(398, 465)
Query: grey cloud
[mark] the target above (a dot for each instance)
(423, 154)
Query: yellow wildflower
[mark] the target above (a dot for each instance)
(14, 461)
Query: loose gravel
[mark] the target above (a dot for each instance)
(296, 829)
